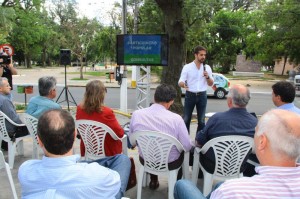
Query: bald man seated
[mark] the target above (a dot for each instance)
(277, 141)
(235, 121)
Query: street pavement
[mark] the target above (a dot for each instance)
(31, 76)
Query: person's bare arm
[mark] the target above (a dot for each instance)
(12, 69)
(1, 71)
(183, 85)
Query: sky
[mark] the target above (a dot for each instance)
(97, 8)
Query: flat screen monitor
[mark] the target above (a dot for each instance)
(142, 49)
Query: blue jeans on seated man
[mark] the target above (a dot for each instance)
(121, 164)
(190, 101)
(185, 189)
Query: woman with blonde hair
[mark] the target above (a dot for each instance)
(92, 108)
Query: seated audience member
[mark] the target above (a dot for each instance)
(39, 104)
(277, 141)
(8, 108)
(283, 96)
(60, 175)
(157, 117)
(236, 121)
(92, 108)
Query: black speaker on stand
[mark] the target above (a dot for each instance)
(65, 59)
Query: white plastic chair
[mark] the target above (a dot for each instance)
(156, 147)
(4, 165)
(93, 135)
(230, 152)
(12, 146)
(31, 123)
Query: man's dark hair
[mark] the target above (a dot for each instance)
(165, 93)
(46, 84)
(199, 48)
(285, 90)
(56, 130)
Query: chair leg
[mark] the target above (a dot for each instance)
(207, 183)
(172, 180)
(146, 179)
(140, 182)
(11, 154)
(35, 151)
(186, 166)
(20, 147)
(12, 185)
(195, 171)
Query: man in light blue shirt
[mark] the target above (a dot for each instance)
(60, 175)
(283, 96)
(39, 104)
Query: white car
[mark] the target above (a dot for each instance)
(219, 89)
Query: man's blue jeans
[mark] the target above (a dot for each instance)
(185, 189)
(121, 164)
(191, 100)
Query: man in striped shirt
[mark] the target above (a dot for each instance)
(277, 141)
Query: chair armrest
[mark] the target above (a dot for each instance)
(124, 145)
(253, 163)
(12, 122)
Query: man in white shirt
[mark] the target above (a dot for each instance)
(195, 77)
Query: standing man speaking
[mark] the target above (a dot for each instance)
(195, 77)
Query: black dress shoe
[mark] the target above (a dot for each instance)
(153, 184)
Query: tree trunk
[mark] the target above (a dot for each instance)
(81, 67)
(172, 10)
(44, 57)
(27, 61)
(284, 63)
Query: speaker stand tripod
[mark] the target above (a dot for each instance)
(67, 93)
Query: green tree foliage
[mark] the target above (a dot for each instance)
(282, 36)
(7, 16)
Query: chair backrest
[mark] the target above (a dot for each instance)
(4, 165)
(155, 148)
(230, 152)
(93, 135)
(3, 131)
(31, 123)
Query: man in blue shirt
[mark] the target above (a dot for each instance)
(60, 175)
(236, 121)
(8, 108)
(39, 104)
(283, 96)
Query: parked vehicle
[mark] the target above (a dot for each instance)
(219, 89)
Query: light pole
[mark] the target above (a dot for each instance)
(123, 89)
